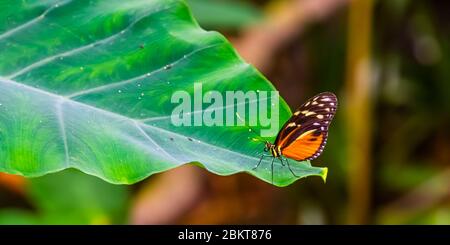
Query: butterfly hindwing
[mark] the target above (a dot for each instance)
(304, 135)
(307, 146)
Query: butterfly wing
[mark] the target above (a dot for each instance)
(305, 134)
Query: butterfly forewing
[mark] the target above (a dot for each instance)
(304, 135)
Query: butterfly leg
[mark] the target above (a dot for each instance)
(273, 159)
(281, 161)
(292, 171)
(260, 160)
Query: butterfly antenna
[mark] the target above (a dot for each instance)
(259, 138)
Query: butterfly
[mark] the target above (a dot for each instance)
(304, 135)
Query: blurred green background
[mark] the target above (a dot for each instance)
(388, 149)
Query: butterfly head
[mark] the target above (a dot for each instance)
(272, 148)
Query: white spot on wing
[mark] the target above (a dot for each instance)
(292, 124)
(310, 113)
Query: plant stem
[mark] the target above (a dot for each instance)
(358, 104)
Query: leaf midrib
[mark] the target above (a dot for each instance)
(62, 100)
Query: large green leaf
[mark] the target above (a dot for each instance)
(88, 85)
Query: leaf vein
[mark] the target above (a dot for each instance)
(33, 21)
(72, 52)
(118, 116)
(62, 129)
(153, 141)
(131, 80)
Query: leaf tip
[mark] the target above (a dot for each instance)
(324, 174)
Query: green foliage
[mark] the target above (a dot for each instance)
(88, 85)
(225, 14)
(71, 197)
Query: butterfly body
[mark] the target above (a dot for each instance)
(304, 136)
(274, 151)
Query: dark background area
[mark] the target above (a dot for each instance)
(388, 148)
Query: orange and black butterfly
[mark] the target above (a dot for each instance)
(304, 135)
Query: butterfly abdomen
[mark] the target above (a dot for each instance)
(274, 150)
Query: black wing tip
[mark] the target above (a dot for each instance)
(327, 93)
